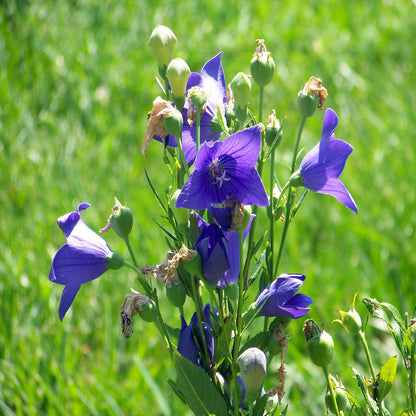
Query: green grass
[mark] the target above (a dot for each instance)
(61, 144)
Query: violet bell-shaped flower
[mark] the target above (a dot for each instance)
(225, 171)
(83, 258)
(211, 80)
(280, 297)
(190, 337)
(320, 169)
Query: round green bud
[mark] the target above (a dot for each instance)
(162, 42)
(173, 122)
(149, 311)
(121, 220)
(194, 266)
(296, 179)
(351, 321)
(176, 293)
(178, 73)
(252, 364)
(115, 261)
(273, 130)
(262, 65)
(307, 104)
(341, 399)
(321, 349)
(241, 87)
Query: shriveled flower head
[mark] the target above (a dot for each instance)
(83, 258)
(190, 339)
(225, 171)
(280, 297)
(211, 82)
(155, 127)
(132, 304)
(321, 167)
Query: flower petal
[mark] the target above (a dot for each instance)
(67, 297)
(337, 189)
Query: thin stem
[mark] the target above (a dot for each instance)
(331, 390)
(133, 257)
(198, 128)
(412, 382)
(271, 218)
(295, 152)
(261, 94)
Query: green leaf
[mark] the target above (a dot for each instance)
(222, 122)
(260, 405)
(355, 404)
(363, 386)
(196, 388)
(387, 374)
(259, 340)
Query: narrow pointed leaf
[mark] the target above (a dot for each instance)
(387, 374)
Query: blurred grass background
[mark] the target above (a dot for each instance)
(76, 83)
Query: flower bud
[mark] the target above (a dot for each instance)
(162, 42)
(252, 364)
(178, 73)
(241, 87)
(149, 312)
(116, 261)
(181, 214)
(311, 97)
(173, 122)
(320, 344)
(350, 320)
(296, 179)
(273, 130)
(176, 293)
(340, 397)
(121, 220)
(262, 65)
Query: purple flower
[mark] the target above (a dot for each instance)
(190, 344)
(322, 166)
(224, 172)
(212, 82)
(280, 298)
(212, 246)
(83, 258)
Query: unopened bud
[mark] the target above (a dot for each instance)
(350, 320)
(262, 65)
(173, 122)
(178, 73)
(320, 344)
(162, 42)
(241, 87)
(273, 132)
(311, 97)
(181, 214)
(252, 364)
(148, 312)
(121, 220)
(176, 293)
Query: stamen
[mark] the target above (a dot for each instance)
(217, 172)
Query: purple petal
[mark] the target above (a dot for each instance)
(292, 312)
(329, 125)
(337, 189)
(74, 266)
(231, 275)
(68, 296)
(299, 301)
(186, 343)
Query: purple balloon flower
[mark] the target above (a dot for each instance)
(83, 258)
(212, 246)
(322, 166)
(280, 298)
(212, 82)
(225, 171)
(190, 336)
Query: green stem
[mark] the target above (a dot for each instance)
(133, 257)
(198, 128)
(331, 390)
(261, 94)
(182, 162)
(198, 307)
(412, 383)
(237, 336)
(271, 217)
(370, 363)
(295, 153)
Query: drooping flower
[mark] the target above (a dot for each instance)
(212, 246)
(211, 81)
(190, 344)
(225, 171)
(321, 167)
(280, 297)
(83, 258)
